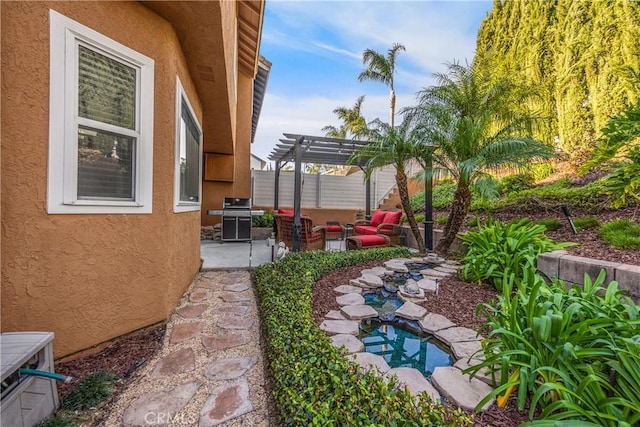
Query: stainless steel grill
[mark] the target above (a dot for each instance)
(236, 218)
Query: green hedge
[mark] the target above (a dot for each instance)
(313, 382)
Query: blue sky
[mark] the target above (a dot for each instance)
(316, 50)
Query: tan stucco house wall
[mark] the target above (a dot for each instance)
(90, 277)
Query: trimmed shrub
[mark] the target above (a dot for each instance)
(584, 223)
(515, 183)
(313, 382)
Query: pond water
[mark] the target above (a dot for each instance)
(403, 346)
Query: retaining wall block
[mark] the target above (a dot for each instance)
(549, 262)
(572, 268)
(628, 278)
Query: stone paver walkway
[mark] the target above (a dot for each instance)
(448, 382)
(210, 370)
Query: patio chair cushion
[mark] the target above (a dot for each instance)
(367, 241)
(333, 228)
(285, 212)
(392, 217)
(365, 230)
(377, 218)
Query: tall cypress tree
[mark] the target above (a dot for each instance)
(582, 58)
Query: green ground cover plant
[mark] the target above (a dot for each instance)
(496, 249)
(550, 223)
(585, 223)
(313, 382)
(572, 352)
(621, 233)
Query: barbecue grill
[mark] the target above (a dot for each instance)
(236, 218)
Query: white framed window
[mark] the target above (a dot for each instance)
(100, 123)
(188, 165)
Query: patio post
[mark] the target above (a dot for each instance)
(297, 194)
(276, 193)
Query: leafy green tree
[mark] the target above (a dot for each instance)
(620, 144)
(472, 122)
(380, 68)
(396, 146)
(353, 124)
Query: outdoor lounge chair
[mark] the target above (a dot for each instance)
(382, 222)
(311, 238)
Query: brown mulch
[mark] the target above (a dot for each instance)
(120, 357)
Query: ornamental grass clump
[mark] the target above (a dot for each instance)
(498, 249)
(573, 353)
(314, 383)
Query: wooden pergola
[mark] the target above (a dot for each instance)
(313, 149)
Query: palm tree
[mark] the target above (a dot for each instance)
(395, 146)
(353, 124)
(381, 69)
(477, 125)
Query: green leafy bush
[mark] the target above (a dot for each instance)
(541, 171)
(621, 233)
(63, 419)
(572, 352)
(497, 249)
(515, 183)
(265, 220)
(584, 223)
(442, 220)
(92, 390)
(314, 383)
(442, 196)
(419, 219)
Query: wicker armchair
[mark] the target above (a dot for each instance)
(311, 238)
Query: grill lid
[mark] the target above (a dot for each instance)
(236, 203)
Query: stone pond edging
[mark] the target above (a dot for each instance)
(449, 382)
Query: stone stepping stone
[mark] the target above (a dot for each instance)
(191, 311)
(456, 334)
(404, 291)
(348, 289)
(335, 315)
(430, 272)
(466, 349)
(445, 269)
(199, 295)
(335, 327)
(459, 389)
(411, 311)
(415, 382)
(405, 298)
(185, 331)
(433, 322)
(163, 402)
(237, 275)
(371, 362)
(228, 369)
(358, 312)
(362, 285)
(350, 299)
(483, 375)
(235, 297)
(180, 361)
(233, 309)
(428, 285)
(351, 343)
(237, 287)
(371, 281)
(398, 267)
(225, 403)
(221, 342)
(228, 322)
(376, 271)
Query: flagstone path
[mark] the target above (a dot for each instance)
(209, 371)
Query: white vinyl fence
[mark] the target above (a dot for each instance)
(323, 191)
